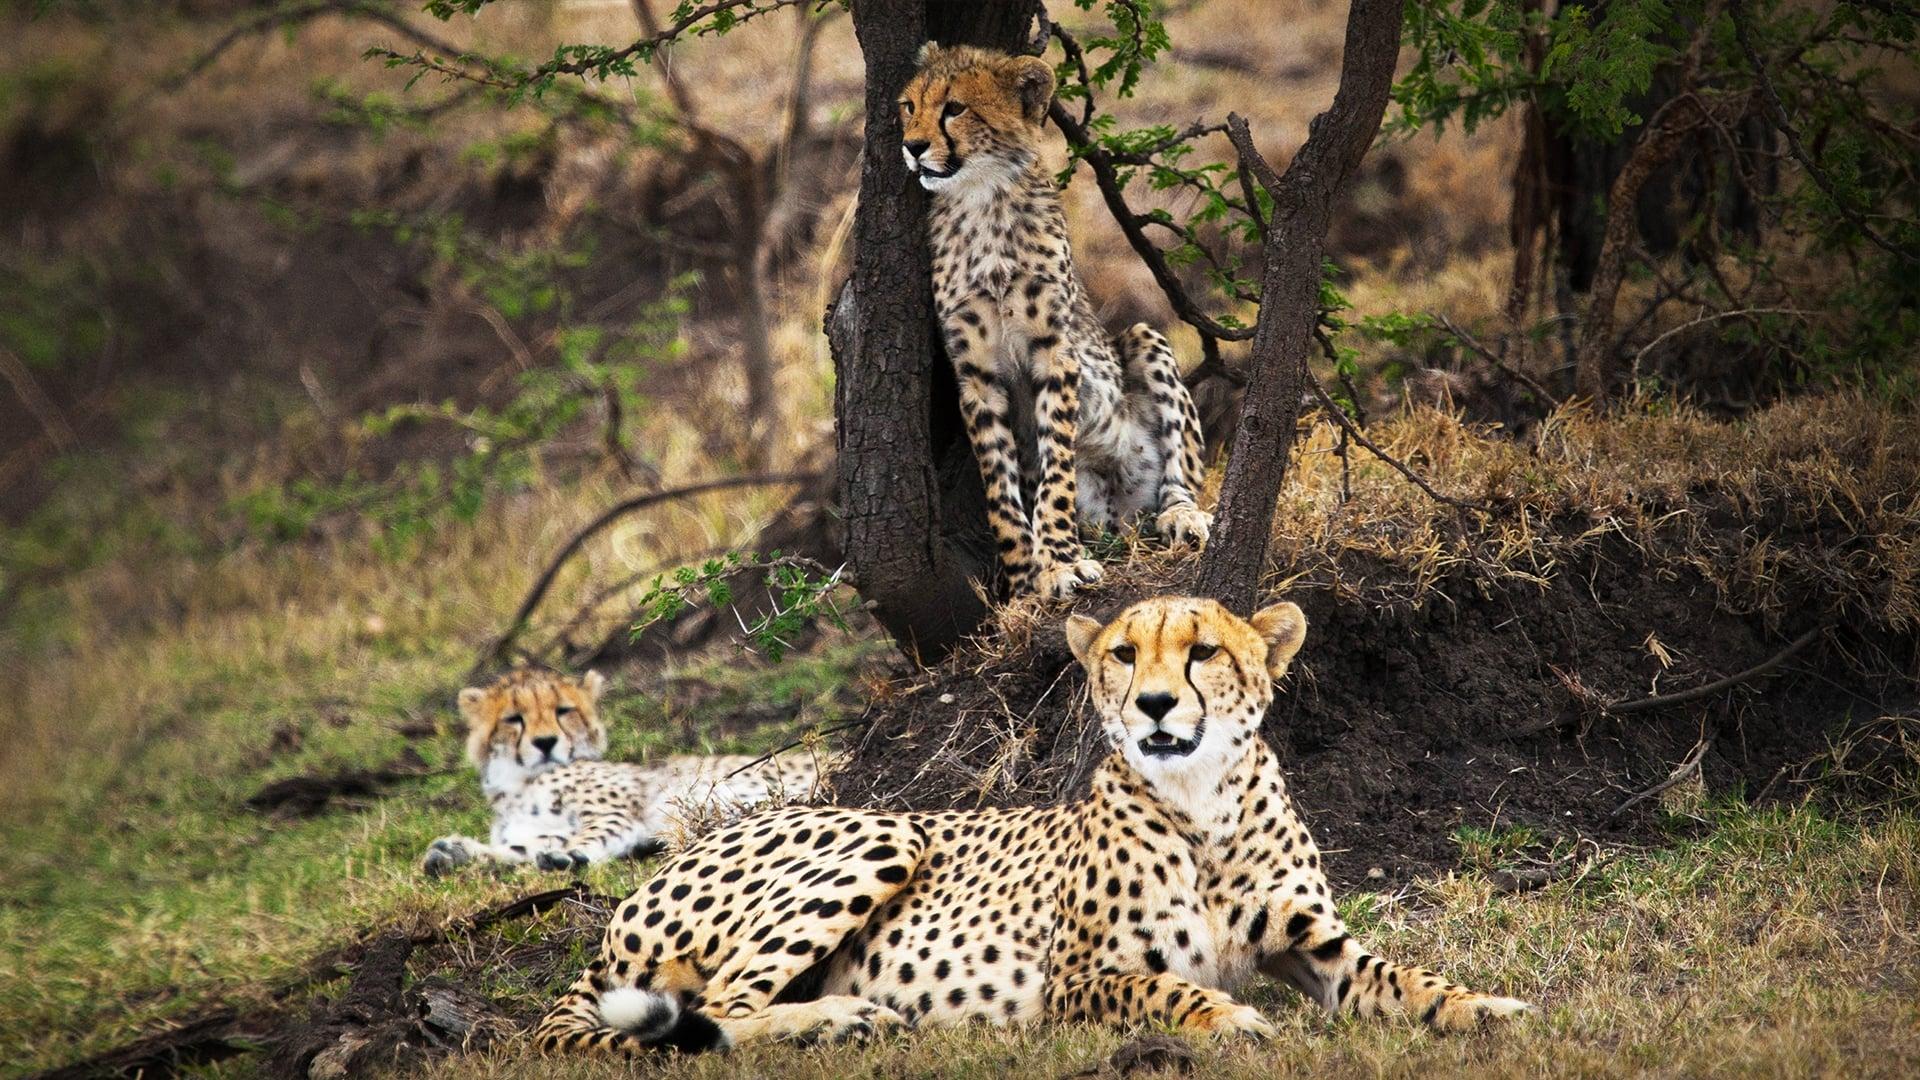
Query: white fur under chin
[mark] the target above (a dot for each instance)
(1192, 782)
(639, 1011)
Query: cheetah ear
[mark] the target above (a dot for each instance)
(1032, 82)
(1081, 631)
(470, 701)
(594, 684)
(927, 53)
(1284, 626)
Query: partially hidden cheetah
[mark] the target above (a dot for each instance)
(536, 738)
(1084, 429)
(1183, 872)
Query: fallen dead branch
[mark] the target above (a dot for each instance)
(1682, 696)
(495, 651)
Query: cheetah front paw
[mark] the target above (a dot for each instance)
(846, 1019)
(1467, 1011)
(446, 855)
(1240, 1020)
(1185, 525)
(1063, 579)
(561, 860)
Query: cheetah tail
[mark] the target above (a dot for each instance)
(628, 1020)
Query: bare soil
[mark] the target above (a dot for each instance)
(1483, 708)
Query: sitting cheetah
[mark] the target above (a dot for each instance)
(1090, 429)
(1183, 872)
(536, 738)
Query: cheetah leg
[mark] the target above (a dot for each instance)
(1327, 964)
(1153, 999)
(599, 837)
(636, 994)
(973, 339)
(449, 853)
(1164, 406)
(1055, 371)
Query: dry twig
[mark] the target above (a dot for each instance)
(498, 648)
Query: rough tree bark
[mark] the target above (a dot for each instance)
(1232, 566)
(915, 520)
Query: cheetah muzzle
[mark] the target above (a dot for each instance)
(1181, 875)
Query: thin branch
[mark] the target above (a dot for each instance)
(1776, 112)
(492, 653)
(830, 729)
(1618, 708)
(1702, 320)
(304, 13)
(59, 433)
(1474, 346)
(1107, 178)
(645, 46)
(1346, 423)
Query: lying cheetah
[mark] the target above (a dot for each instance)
(1182, 873)
(1083, 428)
(536, 738)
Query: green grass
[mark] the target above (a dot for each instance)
(157, 889)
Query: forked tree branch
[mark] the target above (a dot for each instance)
(1235, 561)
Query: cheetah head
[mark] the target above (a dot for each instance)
(531, 720)
(972, 116)
(1182, 683)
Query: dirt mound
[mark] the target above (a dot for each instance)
(1489, 707)
(1466, 673)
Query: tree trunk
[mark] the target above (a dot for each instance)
(1236, 558)
(915, 519)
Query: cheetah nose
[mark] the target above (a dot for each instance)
(1156, 706)
(546, 743)
(916, 147)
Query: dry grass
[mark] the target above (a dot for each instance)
(1782, 944)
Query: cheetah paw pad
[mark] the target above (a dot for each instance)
(1238, 1020)
(561, 860)
(1185, 526)
(1470, 1011)
(1064, 579)
(839, 1022)
(445, 855)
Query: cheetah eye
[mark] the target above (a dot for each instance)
(907, 107)
(563, 710)
(1123, 653)
(512, 718)
(1202, 652)
(952, 110)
